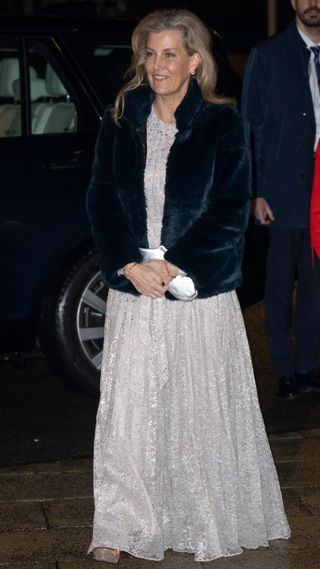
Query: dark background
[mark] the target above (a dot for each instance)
(240, 24)
(227, 16)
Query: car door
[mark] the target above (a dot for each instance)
(15, 171)
(53, 134)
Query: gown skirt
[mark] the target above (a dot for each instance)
(182, 459)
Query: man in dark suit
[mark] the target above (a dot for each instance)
(281, 100)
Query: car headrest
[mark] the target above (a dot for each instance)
(53, 84)
(37, 88)
(9, 71)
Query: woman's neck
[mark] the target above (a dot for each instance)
(164, 110)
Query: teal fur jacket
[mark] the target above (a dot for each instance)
(207, 192)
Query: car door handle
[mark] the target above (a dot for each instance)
(66, 163)
(61, 165)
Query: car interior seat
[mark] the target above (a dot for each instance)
(10, 111)
(9, 72)
(58, 113)
(38, 95)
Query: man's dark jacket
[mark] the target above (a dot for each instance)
(278, 105)
(207, 192)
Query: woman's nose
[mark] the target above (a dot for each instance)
(157, 63)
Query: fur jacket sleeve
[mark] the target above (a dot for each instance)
(115, 242)
(207, 192)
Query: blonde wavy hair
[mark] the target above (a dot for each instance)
(195, 38)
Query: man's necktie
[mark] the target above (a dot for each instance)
(316, 51)
(315, 196)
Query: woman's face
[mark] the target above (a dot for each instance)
(167, 64)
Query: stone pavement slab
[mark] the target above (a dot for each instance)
(171, 561)
(63, 513)
(310, 498)
(294, 506)
(294, 474)
(22, 516)
(71, 465)
(293, 449)
(305, 533)
(44, 545)
(30, 565)
(266, 559)
(43, 486)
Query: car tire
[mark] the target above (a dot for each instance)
(72, 324)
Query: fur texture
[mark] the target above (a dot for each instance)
(207, 192)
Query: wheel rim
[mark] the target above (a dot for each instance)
(91, 314)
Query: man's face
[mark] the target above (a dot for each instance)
(307, 11)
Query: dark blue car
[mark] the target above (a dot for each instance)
(56, 78)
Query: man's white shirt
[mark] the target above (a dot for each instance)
(313, 82)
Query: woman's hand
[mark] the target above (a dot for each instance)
(166, 270)
(172, 270)
(147, 280)
(160, 268)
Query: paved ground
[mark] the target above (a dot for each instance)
(46, 514)
(46, 507)
(40, 418)
(279, 416)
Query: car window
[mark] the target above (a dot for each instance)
(110, 64)
(53, 108)
(10, 110)
(104, 57)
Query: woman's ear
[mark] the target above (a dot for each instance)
(195, 61)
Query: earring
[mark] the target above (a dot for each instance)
(193, 72)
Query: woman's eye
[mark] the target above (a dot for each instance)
(148, 54)
(170, 54)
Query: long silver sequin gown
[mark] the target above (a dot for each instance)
(181, 455)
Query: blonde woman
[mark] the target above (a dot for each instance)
(182, 460)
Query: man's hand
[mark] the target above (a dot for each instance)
(262, 211)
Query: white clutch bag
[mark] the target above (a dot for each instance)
(181, 287)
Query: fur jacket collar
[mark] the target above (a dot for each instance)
(138, 106)
(207, 192)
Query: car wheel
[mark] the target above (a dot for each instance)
(72, 324)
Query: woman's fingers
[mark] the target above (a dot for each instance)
(155, 291)
(159, 267)
(166, 270)
(147, 281)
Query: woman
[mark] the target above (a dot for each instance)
(181, 455)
